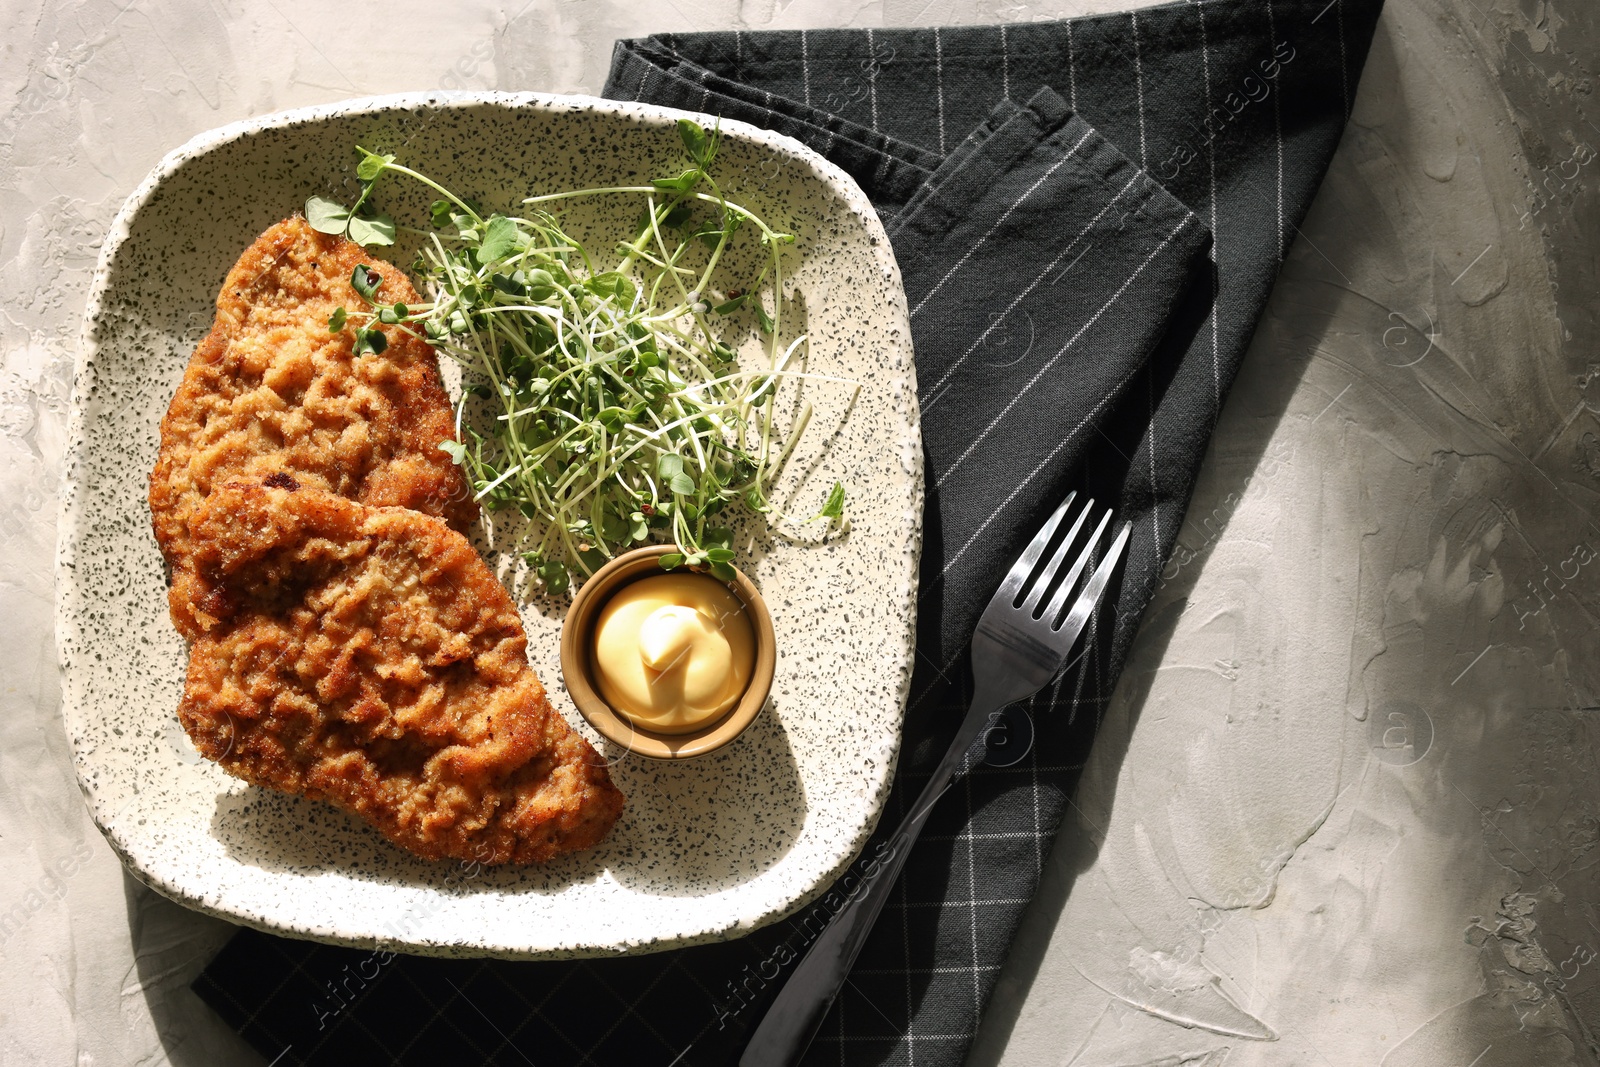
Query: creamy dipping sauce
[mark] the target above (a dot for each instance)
(673, 652)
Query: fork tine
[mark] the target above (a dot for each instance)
(1041, 585)
(1024, 566)
(1096, 585)
(1080, 561)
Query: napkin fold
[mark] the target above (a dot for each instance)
(1088, 216)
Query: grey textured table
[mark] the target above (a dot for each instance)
(1345, 808)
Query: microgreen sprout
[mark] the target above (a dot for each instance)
(620, 412)
(370, 228)
(833, 507)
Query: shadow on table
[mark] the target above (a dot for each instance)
(1268, 379)
(171, 944)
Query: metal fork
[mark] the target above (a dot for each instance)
(1017, 649)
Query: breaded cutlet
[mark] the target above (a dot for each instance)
(271, 390)
(368, 657)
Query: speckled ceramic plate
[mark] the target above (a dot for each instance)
(707, 849)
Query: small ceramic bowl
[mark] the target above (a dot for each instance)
(577, 667)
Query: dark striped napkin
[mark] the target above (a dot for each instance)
(1088, 216)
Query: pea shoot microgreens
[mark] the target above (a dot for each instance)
(622, 414)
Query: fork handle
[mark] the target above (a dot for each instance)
(792, 1021)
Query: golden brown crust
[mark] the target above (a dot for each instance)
(369, 657)
(270, 390)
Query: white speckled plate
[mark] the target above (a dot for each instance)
(706, 850)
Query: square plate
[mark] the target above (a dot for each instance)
(705, 850)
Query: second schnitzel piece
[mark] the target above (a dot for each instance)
(369, 657)
(271, 390)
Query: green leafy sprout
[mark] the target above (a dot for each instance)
(362, 227)
(621, 415)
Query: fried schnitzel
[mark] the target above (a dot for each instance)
(271, 390)
(368, 657)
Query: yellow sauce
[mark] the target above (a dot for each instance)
(673, 652)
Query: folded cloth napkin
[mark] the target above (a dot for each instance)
(1088, 217)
